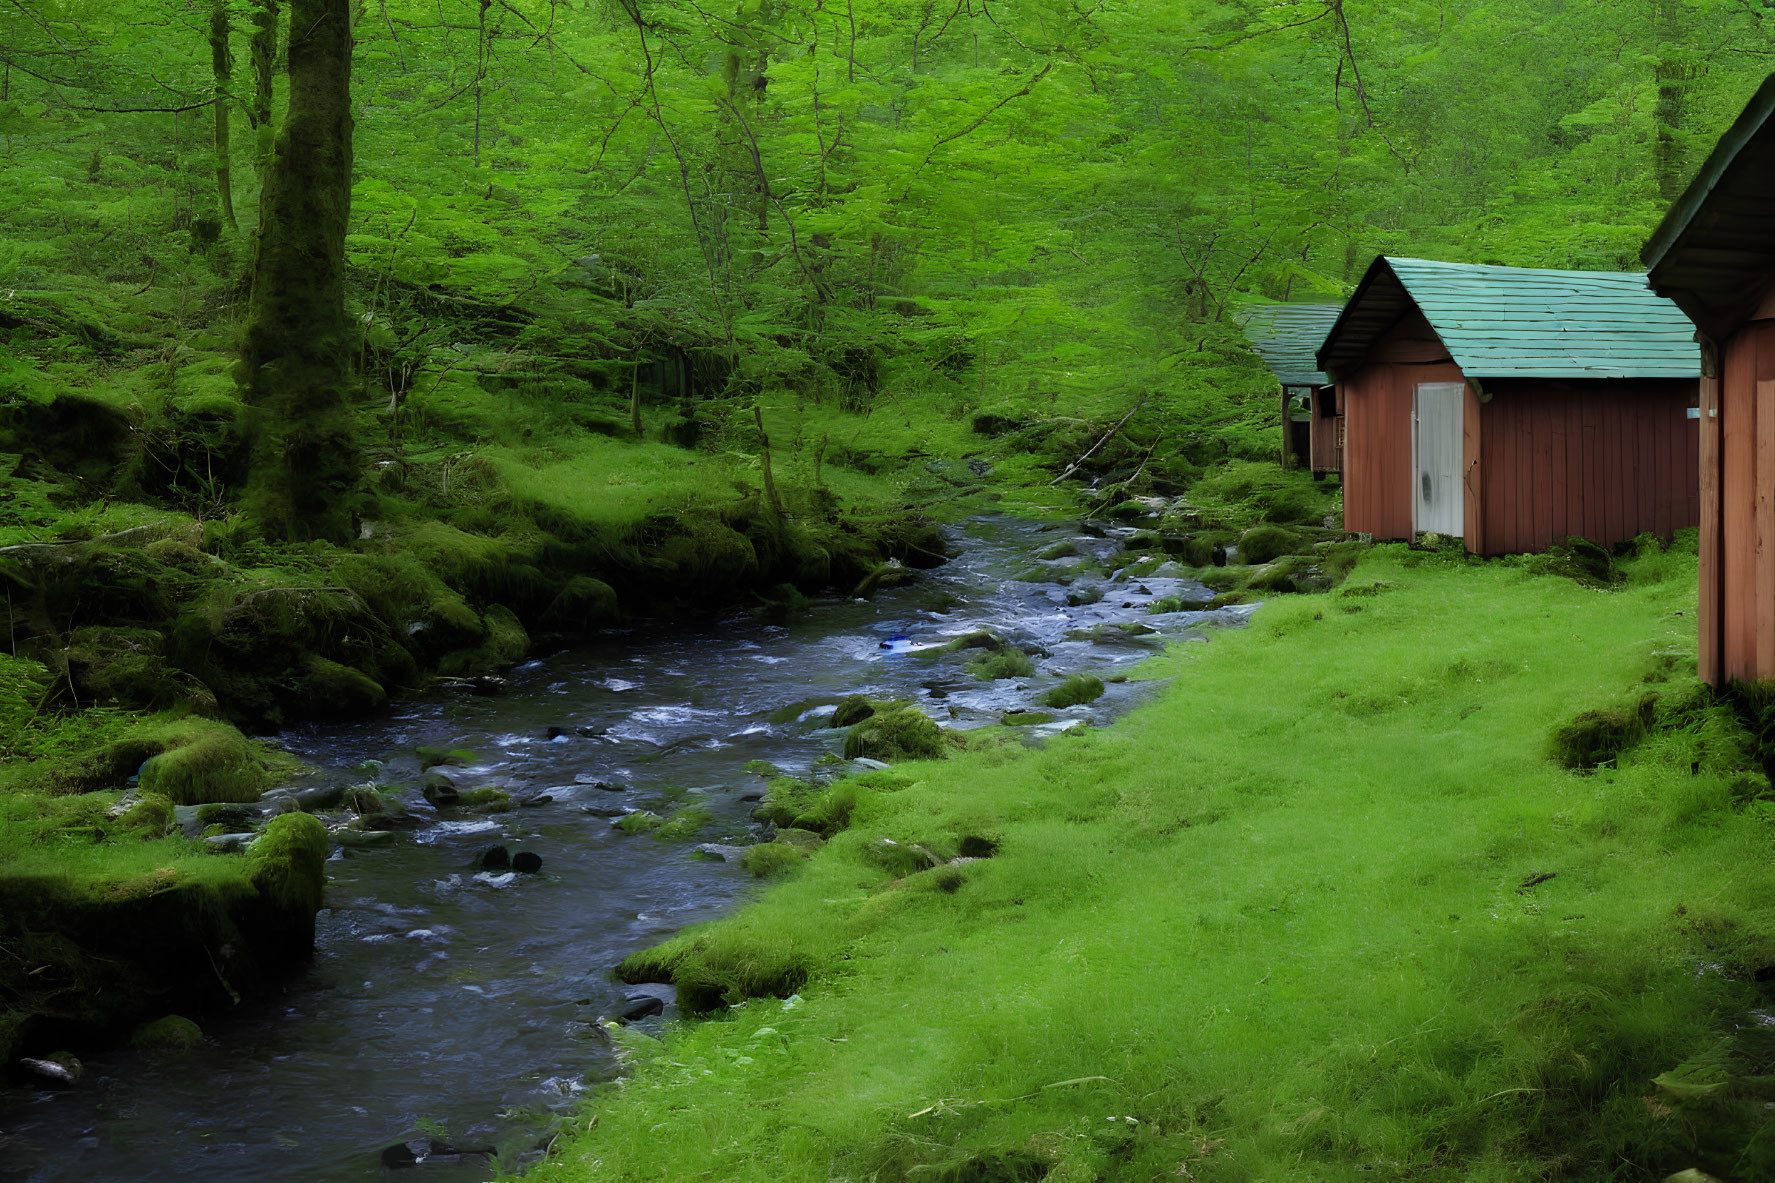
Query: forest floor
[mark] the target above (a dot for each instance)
(1332, 906)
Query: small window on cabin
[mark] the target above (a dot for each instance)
(1327, 401)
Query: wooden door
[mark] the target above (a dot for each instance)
(1437, 408)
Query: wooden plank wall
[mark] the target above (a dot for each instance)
(1377, 454)
(1376, 402)
(1738, 567)
(1327, 456)
(1710, 653)
(1603, 461)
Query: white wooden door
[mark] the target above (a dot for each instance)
(1436, 458)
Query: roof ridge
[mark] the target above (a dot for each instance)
(1452, 266)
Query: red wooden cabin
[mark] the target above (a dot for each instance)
(1714, 254)
(1286, 336)
(1513, 407)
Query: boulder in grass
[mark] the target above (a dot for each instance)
(903, 734)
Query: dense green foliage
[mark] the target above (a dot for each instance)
(660, 214)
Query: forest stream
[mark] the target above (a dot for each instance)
(455, 1008)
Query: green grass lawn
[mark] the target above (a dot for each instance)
(1323, 910)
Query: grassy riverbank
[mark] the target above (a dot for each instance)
(1325, 909)
(515, 499)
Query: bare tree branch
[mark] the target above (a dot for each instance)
(987, 114)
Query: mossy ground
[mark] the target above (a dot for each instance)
(1325, 909)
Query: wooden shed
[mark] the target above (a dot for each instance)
(1514, 407)
(1714, 254)
(1286, 337)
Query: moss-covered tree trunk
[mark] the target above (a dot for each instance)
(296, 359)
(222, 63)
(1674, 71)
(263, 52)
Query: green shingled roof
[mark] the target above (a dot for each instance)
(1287, 336)
(1520, 322)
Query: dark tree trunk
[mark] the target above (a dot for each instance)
(222, 63)
(264, 58)
(297, 354)
(1675, 73)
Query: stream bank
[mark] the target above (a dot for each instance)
(446, 993)
(1324, 907)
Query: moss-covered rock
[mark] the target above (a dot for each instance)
(642, 821)
(506, 639)
(172, 1033)
(1024, 719)
(899, 859)
(1075, 691)
(327, 687)
(852, 711)
(582, 605)
(127, 666)
(800, 839)
(366, 801)
(684, 823)
(1129, 511)
(1168, 604)
(505, 645)
(1260, 544)
(287, 864)
(890, 574)
(769, 859)
(432, 757)
(795, 804)
(998, 665)
(203, 761)
(151, 816)
(903, 734)
(488, 799)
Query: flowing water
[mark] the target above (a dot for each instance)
(461, 1007)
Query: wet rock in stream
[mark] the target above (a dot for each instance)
(440, 791)
(639, 1006)
(417, 1152)
(60, 1070)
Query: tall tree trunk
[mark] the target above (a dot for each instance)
(480, 74)
(635, 394)
(1674, 71)
(222, 63)
(296, 359)
(264, 58)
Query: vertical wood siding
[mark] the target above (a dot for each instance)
(1327, 456)
(1376, 402)
(1738, 518)
(1377, 447)
(1710, 653)
(1604, 462)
